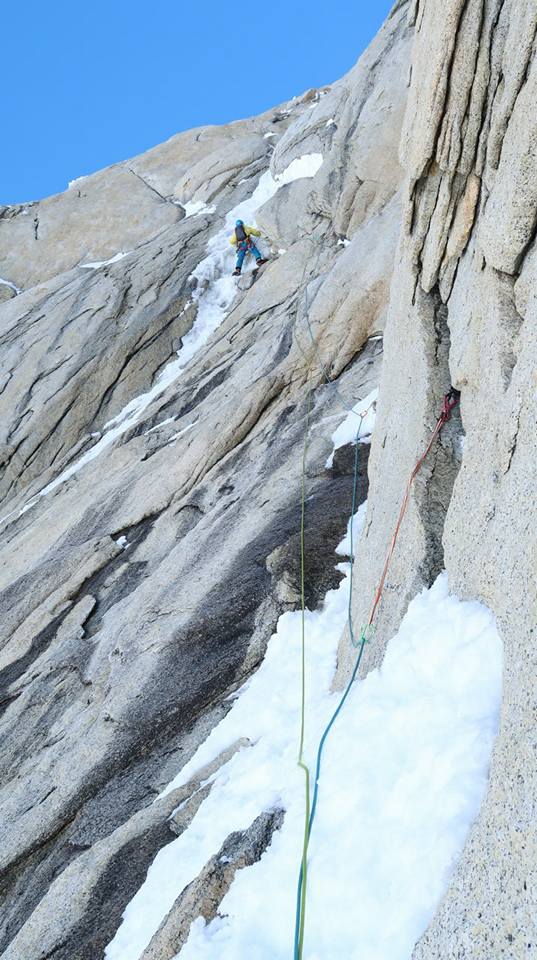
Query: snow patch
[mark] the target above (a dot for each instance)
(354, 421)
(355, 525)
(104, 263)
(214, 294)
(181, 433)
(77, 180)
(308, 165)
(8, 283)
(403, 776)
(159, 425)
(194, 207)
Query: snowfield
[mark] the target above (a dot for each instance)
(403, 777)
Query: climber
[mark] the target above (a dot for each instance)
(242, 240)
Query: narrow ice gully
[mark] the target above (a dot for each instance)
(403, 778)
(213, 296)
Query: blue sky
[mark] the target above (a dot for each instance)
(86, 85)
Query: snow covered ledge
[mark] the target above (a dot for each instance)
(403, 778)
(10, 290)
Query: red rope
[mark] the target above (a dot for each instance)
(451, 400)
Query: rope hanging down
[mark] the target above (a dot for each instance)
(301, 906)
(301, 762)
(451, 399)
(310, 813)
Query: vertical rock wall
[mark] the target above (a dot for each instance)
(462, 311)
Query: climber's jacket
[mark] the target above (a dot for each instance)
(242, 234)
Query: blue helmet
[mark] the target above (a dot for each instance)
(239, 223)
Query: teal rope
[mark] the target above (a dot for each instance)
(310, 813)
(353, 511)
(302, 878)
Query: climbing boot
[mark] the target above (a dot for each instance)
(261, 261)
(236, 273)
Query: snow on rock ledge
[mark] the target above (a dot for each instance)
(403, 777)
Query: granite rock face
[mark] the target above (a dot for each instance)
(147, 556)
(120, 208)
(202, 897)
(150, 520)
(463, 299)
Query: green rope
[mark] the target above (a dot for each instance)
(322, 366)
(312, 805)
(301, 762)
(311, 808)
